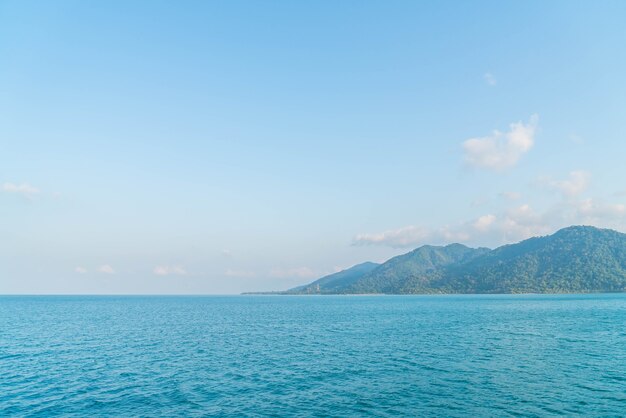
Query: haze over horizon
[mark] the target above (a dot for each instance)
(225, 147)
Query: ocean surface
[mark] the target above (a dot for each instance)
(480, 356)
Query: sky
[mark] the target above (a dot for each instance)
(159, 147)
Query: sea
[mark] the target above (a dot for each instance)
(344, 356)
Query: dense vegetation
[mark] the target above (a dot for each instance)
(575, 259)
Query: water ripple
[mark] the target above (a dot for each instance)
(518, 356)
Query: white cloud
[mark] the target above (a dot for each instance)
(107, 269)
(80, 270)
(501, 150)
(24, 189)
(411, 236)
(169, 270)
(401, 237)
(593, 210)
(490, 79)
(515, 223)
(512, 225)
(522, 222)
(484, 222)
(577, 182)
(299, 272)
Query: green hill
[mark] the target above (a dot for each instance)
(409, 272)
(577, 259)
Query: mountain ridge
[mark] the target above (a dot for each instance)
(576, 259)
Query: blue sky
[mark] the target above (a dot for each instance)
(220, 147)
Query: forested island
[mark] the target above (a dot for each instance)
(577, 259)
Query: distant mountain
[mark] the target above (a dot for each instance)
(407, 272)
(578, 259)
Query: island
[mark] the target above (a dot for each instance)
(576, 259)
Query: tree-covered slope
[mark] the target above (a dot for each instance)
(575, 259)
(413, 270)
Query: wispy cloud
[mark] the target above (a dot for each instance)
(106, 269)
(80, 270)
(515, 223)
(511, 225)
(501, 150)
(594, 210)
(490, 79)
(169, 270)
(410, 236)
(484, 222)
(576, 183)
(24, 189)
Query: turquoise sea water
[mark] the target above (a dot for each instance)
(300, 356)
